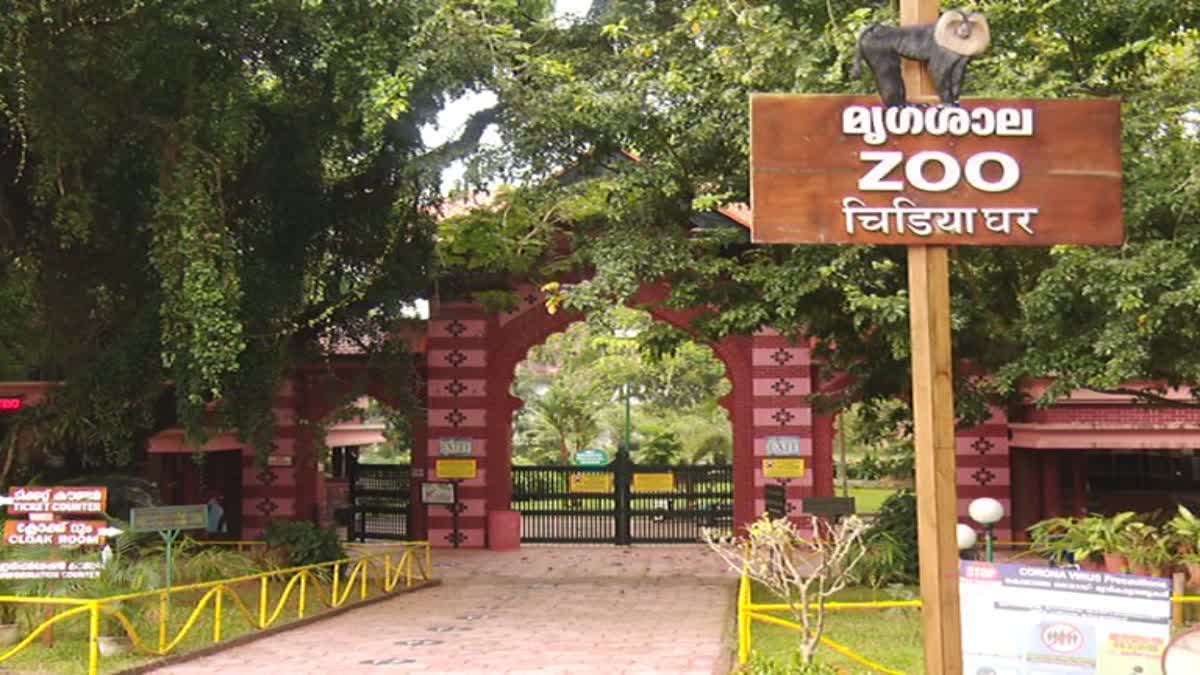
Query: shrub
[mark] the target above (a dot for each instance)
(305, 543)
(891, 543)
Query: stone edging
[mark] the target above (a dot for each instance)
(268, 632)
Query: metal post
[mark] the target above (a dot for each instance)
(841, 434)
(168, 537)
(987, 538)
(628, 419)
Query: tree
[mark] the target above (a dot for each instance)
(574, 386)
(669, 82)
(803, 572)
(196, 192)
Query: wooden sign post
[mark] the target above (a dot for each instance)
(845, 169)
(933, 418)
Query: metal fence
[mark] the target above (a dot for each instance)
(622, 503)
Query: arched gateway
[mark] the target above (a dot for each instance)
(465, 356)
(472, 355)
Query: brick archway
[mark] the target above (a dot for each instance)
(472, 356)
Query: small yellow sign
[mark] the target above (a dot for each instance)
(783, 467)
(455, 469)
(598, 481)
(654, 482)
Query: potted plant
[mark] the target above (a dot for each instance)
(1147, 550)
(1104, 534)
(1185, 527)
(1049, 538)
(1191, 563)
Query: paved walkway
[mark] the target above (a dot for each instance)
(597, 609)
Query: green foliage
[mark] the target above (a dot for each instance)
(790, 664)
(250, 178)
(669, 81)
(891, 543)
(575, 385)
(305, 543)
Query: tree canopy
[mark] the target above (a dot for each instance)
(574, 387)
(668, 81)
(191, 192)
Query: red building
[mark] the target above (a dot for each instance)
(1089, 451)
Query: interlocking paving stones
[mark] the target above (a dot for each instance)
(576, 610)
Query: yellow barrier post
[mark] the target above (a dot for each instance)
(362, 594)
(743, 618)
(217, 615)
(93, 637)
(333, 595)
(428, 560)
(162, 621)
(262, 602)
(303, 592)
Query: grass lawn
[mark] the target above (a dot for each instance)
(868, 500)
(890, 637)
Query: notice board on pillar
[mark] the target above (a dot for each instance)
(844, 169)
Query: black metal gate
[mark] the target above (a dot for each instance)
(379, 499)
(622, 503)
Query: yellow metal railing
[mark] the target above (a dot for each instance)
(332, 584)
(749, 611)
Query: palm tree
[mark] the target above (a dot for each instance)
(567, 416)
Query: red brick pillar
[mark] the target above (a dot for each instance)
(984, 469)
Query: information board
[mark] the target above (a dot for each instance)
(592, 457)
(454, 447)
(56, 500)
(654, 482)
(595, 482)
(783, 446)
(777, 467)
(55, 532)
(1034, 620)
(459, 469)
(157, 518)
(437, 493)
(50, 569)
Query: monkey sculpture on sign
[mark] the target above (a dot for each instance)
(947, 46)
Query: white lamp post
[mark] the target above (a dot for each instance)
(966, 537)
(987, 512)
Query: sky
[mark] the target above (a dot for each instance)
(451, 120)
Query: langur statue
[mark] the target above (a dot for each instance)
(946, 46)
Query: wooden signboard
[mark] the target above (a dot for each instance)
(159, 518)
(827, 506)
(845, 169)
(461, 469)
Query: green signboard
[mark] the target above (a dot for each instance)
(156, 518)
(594, 457)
